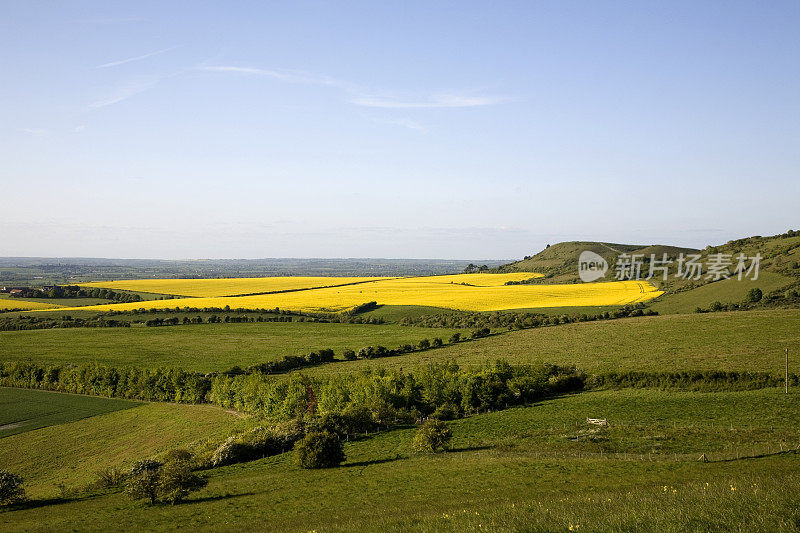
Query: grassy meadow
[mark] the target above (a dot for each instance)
(27, 410)
(670, 458)
(743, 341)
(73, 447)
(202, 347)
(531, 468)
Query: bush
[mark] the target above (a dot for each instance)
(110, 477)
(434, 435)
(178, 455)
(424, 344)
(754, 295)
(231, 451)
(11, 489)
(170, 481)
(350, 355)
(437, 342)
(446, 412)
(143, 480)
(176, 480)
(319, 449)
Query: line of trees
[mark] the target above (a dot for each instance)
(74, 291)
(517, 320)
(389, 395)
(35, 322)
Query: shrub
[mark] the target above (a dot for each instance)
(424, 344)
(446, 412)
(143, 480)
(349, 355)
(433, 435)
(11, 489)
(319, 449)
(178, 455)
(357, 419)
(110, 477)
(170, 481)
(455, 337)
(437, 342)
(176, 480)
(231, 451)
(754, 295)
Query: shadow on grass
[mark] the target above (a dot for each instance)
(215, 498)
(756, 456)
(373, 462)
(35, 504)
(399, 457)
(469, 449)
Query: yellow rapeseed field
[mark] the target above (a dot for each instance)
(13, 303)
(468, 292)
(224, 286)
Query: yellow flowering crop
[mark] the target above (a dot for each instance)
(8, 303)
(225, 286)
(480, 292)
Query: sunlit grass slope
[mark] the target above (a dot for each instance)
(74, 452)
(202, 347)
(427, 292)
(28, 410)
(521, 469)
(736, 341)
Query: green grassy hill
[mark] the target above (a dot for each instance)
(27, 410)
(743, 341)
(559, 262)
(779, 269)
(538, 468)
(202, 347)
(72, 451)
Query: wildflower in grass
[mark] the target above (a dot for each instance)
(733, 489)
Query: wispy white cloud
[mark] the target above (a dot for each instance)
(287, 76)
(434, 102)
(359, 95)
(110, 20)
(123, 92)
(39, 132)
(405, 123)
(137, 58)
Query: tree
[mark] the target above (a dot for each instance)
(433, 435)
(143, 481)
(319, 449)
(11, 489)
(754, 295)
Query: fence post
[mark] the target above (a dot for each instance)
(786, 380)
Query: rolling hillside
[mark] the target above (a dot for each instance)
(779, 270)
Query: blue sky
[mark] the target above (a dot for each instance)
(394, 129)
